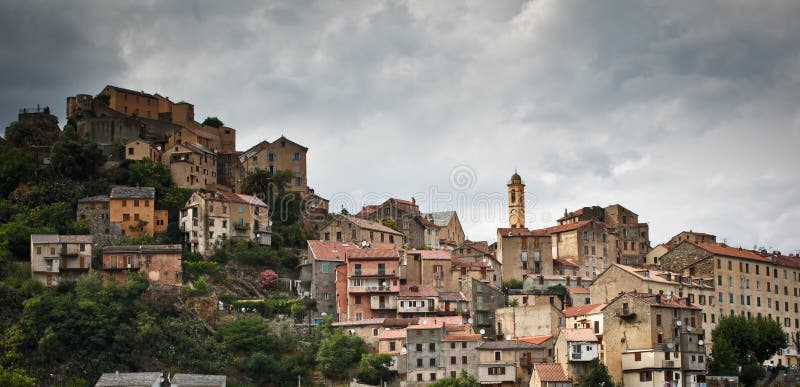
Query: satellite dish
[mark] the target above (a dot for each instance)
(700, 342)
(670, 345)
(469, 320)
(678, 323)
(352, 331)
(508, 337)
(483, 331)
(423, 322)
(385, 329)
(669, 294)
(689, 329)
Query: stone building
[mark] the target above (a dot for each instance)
(211, 216)
(141, 149)
(587, 243)
(450, 230)
(372, 284)
(190, 165)
(468, 253)
(542, 319)
(460, 352)
(652, 339)
(325, 256)
(57, 257)
(160, 263)
(132, 212)
(346, 228)
(508, 363)
(522, 251)
(424, 343)
(549, 375)
(280, 155)
(393, 343)
(621, 278)
(746, 283)
(484, 298)
(630, 239)
(95, 211)
(585, 316)
(692, 236)
(575, 348)
(417, 301)
(230, 172)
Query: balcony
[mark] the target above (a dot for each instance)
(416, 309)
(649, 359)
(45, 269)
(371, 289)
(241, 226)
(624, 313)
(388, 302)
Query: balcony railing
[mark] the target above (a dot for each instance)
(241, 226)
(416, 309)
(668, 364)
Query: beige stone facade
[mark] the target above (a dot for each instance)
(692, 236)
(346, 228)
(653, 339)
(522, 251)
(280, 155)
(140, 150)
(191, 166)
(542, 319)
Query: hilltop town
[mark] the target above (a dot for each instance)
(217, 265)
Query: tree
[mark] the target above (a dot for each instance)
(11, 377)
(463, 380)
(338, 353)
(723, 360)
(268, 279)
(75, 157)
(374, 369)
(511, 284)
(39, 130)
(596, 375)
(390, 222)
(16, 167)
(752, 339)
(213, 121)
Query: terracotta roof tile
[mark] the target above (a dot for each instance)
(370, 225)
(718, 249)
(535, 339)
(418, 291)
(550, 372)
(444, 255)
(564, 262)
(582, 310)
(392, 334)
(508, 344)
(578, 290)
(579, 334)
(373, 254)
(567, 227)
(329, 250)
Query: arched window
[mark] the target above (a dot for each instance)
(513, 196)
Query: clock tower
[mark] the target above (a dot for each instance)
(516, 202)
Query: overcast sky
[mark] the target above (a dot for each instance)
(682, 111)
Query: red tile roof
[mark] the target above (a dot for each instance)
(428, 325)
(418, 291)
(442, 255)
(370, 225)
(567, 227)
(727, 251)
(788, 261)
(578, 290)
(579, 334)
(232, 197)
(329, 250)
(392, 334)
(575, 311)
(535, 339)
(550, 372)
(373, 254)
(252, 200)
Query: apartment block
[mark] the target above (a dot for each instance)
(58, 257)
(211, 216)
(346, 228)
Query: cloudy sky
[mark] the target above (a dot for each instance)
(682, 111)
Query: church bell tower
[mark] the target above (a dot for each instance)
(516, 202)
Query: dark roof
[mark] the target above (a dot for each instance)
(199, 380)
(128, 379)
(55, 238)
(94, 199)
(142, 93)
(143, 249)
(124, 192)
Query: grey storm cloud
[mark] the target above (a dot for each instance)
(684, 112)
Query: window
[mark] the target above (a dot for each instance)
(432, 363)
(637, 356)
(419, 377)
(647, 376)
(419, 346)
(463, 360)
(324, 268)
(432, 347)
(419, 362)
(497, 355)
(452, 360)
(433, 374)
(392, 346)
